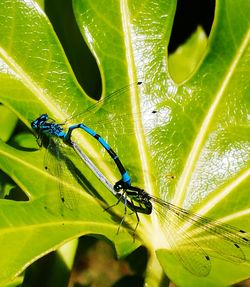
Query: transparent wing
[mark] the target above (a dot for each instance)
(214, 227)
(220, 248)
(111, 99)
(114, 120)
(193, 250)
(208, 237)
(118, 123)
(189, 253)
(58, 164)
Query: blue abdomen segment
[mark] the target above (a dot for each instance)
(67, 138)
(61, 134)
(103, 143)
(126, 179)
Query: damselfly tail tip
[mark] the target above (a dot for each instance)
(139, 83)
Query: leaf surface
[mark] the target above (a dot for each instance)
(201, 135)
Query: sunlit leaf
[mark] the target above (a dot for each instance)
(201, 135)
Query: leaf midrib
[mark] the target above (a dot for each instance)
(126, 24)
(199, 140)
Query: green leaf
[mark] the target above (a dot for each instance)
(201, 135)
(8, 123)
(185, 59)
(41, 3)
(42, 222)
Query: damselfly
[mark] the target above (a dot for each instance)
(183, 229)
(192, 238)
(44, 125)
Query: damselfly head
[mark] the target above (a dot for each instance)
(39, 121)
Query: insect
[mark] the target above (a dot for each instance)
(191, 237)
(44, 125)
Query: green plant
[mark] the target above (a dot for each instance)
(203, 138)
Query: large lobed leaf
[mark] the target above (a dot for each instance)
(201, 136)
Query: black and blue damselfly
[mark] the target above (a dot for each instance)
(192, 238)
(44, 125)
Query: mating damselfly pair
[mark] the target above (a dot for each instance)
(192, 238)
